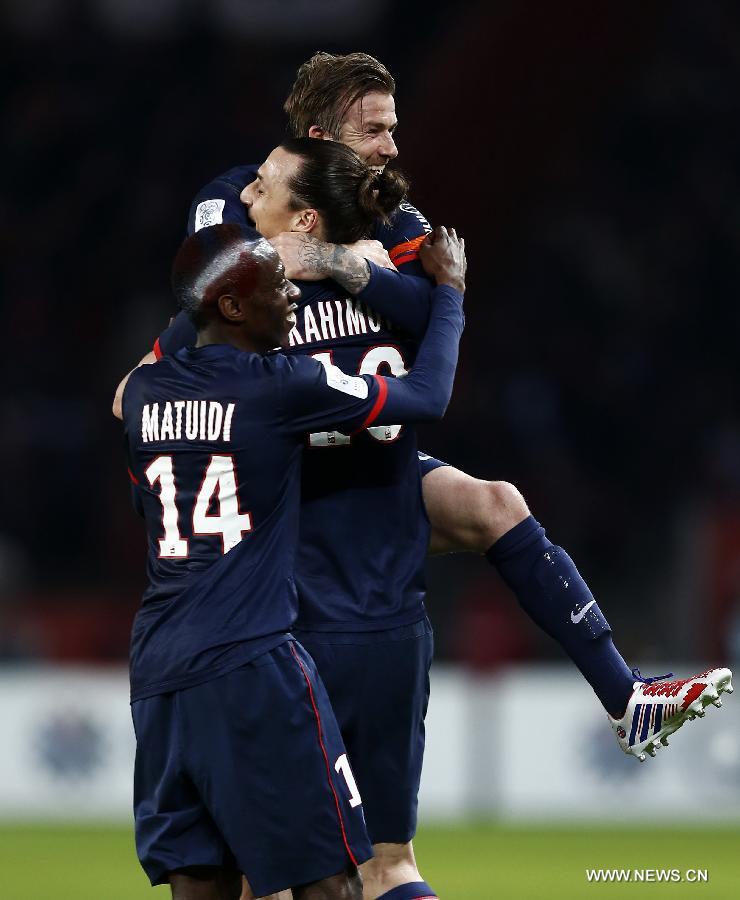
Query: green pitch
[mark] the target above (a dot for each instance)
(471, 862)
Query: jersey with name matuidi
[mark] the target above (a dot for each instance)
(215, 440)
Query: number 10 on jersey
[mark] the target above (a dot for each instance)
(371, 362)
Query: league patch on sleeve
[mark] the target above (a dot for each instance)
(209, 212)
(347, 384)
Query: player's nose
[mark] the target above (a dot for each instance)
(388, 148)
(246, 196)
(294, 292)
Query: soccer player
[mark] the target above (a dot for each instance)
(240, 765)
(373, 600)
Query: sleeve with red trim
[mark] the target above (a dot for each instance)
(402, 299)
(317, 397)
(423, 394)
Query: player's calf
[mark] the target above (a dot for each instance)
(345, 886)
(205, 883)
(392, 875)
(248, 894)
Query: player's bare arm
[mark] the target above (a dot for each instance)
(118, 397)
(307, 258)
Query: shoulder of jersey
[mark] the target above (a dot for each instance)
(209, 203)
(408, 215)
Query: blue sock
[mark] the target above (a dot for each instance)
(551, 591)
(419, 890)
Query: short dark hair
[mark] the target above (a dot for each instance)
(327, 85)
(210, 263)
(349, 195)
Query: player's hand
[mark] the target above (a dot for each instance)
(304, 257)
(372, 250)
(443, 256)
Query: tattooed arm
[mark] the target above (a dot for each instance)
(403, 299)
(309, 259)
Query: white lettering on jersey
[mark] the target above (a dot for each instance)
(150, 423)
(209, 212)
(407, 207)
(310, 327)
(355, 319)
(204, 420)
(326, 317)
(322, 323)
(347, 384)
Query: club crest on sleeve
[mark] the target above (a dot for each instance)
(209, 212)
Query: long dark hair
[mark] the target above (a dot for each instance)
(349, 195)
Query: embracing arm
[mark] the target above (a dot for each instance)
(402, 299)
(420, 396)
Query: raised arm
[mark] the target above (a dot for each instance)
(420, 396)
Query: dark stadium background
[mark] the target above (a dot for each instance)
(587, 152)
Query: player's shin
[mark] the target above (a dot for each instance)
(551, 591)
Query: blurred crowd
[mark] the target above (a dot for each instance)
(594, 175)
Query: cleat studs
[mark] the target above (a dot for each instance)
(652, 752)
(718, 703)
(729, 689)
(664, 741)
(700, 713)
(642, 757)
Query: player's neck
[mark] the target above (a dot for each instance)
(217, 334)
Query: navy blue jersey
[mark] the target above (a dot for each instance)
(215, 439)
(370, 480)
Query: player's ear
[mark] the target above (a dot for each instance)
(306, 221)
(316, 131)
(231, 307)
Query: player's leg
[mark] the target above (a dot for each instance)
(347, 886)
(247, 893)
(392, 874)
(491, 517)
(205, 883)
(177, 841)
(268, 772)
(378, 684)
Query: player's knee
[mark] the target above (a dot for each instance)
(500, 507)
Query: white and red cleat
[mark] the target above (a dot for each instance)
(658, 708)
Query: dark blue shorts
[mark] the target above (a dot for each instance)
(428, 463)
(378, 683)
(247, 772)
